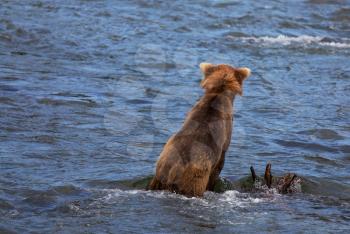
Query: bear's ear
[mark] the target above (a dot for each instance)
(242, 73)
(205, 66)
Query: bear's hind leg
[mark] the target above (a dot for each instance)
(195, 180)
(216, 172)
(154, 184)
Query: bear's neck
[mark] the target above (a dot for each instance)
(226, 93)
(220, 101)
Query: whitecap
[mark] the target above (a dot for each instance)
(237, 199)
(115, 195)
(229, 199)
(298, 40)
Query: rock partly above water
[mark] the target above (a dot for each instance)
(288, 183)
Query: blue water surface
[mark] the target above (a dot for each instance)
(91, 90)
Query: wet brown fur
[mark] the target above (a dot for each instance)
(193, 158)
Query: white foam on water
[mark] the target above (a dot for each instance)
(229, 199)
(116, 194)
(236, 199)
(230, 202)
(288, 40)
(73, 207)
(112, 194)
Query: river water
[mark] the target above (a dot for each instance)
(91, 90)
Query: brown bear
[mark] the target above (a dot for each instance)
(193, 158)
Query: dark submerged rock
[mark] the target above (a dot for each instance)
(286, 184)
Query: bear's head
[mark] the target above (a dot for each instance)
(218, 78)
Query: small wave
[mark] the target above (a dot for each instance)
(237, 199)
(323, 160)
(306, 145)
(71, 207)
(5, 205)
(230, 198)
(303, 40)
(324, 134)
(115, 194)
